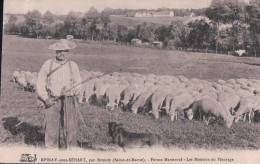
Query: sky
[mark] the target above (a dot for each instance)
(64, 6)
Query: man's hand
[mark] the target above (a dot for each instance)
(67, 94)
(49, 102)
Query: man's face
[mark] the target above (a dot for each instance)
(62, 54)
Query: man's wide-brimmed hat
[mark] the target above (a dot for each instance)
(63, 44)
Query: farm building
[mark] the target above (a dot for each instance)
(157, 44)
(155, 14)
(136, 42)
(143, 14)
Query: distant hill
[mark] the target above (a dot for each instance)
(132, 21)
(20, 17)
(121, 20)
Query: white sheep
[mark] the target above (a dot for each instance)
(141, 101)
(240, 52)
(22, 73)
(231, 81)
(113, 95)
(94, 74)
(227, 88)
(210, 94)
(167, 102)
(249, 89)
(137, 93)
(128, 94)
(22, 83)
(210, 108)
(183, 79)
(169, 97)
(31, 83)
(207, 89)
(242, 93)
(180, 103)
(247, 106)
(157, 100)
(221, 82)
(217, 86)
(229, 101)
(85, 75)
(16, 74)
(28, 74)
(242, 81)
(87, 90)
(101, 90)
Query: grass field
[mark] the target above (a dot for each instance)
(29, 54)
(132, 21)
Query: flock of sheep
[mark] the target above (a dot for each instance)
(229, 100)
(25, 79)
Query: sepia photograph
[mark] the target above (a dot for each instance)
(130, 81)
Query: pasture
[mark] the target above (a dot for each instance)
(29, 54)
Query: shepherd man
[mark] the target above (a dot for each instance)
(58, 85)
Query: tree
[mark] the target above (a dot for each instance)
(48, 18)
(131, 35)
(59, 31)
(71, 22)
(112, 31)
(104, 19)
(33, 21)
(92, 17)
(174, 29)
(200, 33)
(145, 31)
(161, 33)
(23, 29)
(234, 16)
(252, 18)
(12, 19)
(10, 27)
(92, 12)
(122, 33)
(108, 11)
(178, 32)
(226, 12)
(83, 29)
(216, 13)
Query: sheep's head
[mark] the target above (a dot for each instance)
(80, 99)
(229, 122)
(189, 113)
(156, 114)
(110, 106)
(237, 118)
(123, 103)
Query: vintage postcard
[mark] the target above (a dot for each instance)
(137, 81)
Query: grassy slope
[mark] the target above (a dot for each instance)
(29, 54)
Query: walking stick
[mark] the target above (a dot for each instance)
(88, 79)
(65, 119)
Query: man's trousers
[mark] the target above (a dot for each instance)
(61, 120)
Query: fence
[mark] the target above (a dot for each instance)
(205, 51)
(251, 53)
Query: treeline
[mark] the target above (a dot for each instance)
(131, 12)
(242, 29)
